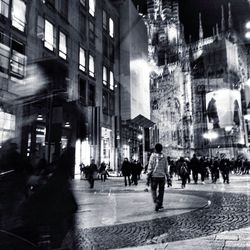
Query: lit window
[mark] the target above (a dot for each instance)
(92, 7)
(91, 66)
(49, 36)
(18, 14)
(82, 60)
(104, 19)
(111, 80)
(7, 126)
(111, 27)
(4, 7)
(18, 60)
(62, 45)
(105, 75)
(4, 57)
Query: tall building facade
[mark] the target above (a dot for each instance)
(199, 90)
(60, 77)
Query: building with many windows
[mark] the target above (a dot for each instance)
(61, 76)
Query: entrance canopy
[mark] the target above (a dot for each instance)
(142, 121)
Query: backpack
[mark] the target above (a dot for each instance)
(183, 169)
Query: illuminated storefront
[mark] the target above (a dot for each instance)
(107, 152)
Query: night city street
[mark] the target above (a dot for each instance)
(124, 124)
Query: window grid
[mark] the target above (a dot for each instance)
(111, 80)
(62, 45)
(91, 66)
(111, 27)
(82, 60)
(18, 14)
(49, 36)
(92, 7)
(4, 7)
(105, 76)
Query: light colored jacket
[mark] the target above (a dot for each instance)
(158, 165)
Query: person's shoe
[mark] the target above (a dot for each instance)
(156, 208)
(160, 207)
(203, 183)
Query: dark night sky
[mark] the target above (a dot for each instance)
(211, 14)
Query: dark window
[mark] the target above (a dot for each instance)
(91, 95)
(105, 46)
(83, 3)
(83, 26)
(104, 20)
(105, 102)
(111, 52)
(91, 32)
(82, 89)
(50, 3)
(111, 104)
(63, 8)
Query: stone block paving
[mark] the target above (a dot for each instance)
(228, 211)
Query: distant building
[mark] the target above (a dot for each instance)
(198, 90)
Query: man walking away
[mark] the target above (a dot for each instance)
(194, 164)
(92, 170)
(158, 169)
(126, 171)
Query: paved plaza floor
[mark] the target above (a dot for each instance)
(210, 216)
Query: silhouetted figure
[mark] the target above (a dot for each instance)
(126, 171)
(194, 165)
(103, 172)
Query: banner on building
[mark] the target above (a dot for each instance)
(223, 109)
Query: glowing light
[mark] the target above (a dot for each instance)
(210, 135)
(247, 35)
(139, 137)
(247, 25)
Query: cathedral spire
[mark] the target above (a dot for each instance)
(200, 28)
(230, 21)
(217, 30)
(222, 20)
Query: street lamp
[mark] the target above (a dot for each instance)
(210, 135)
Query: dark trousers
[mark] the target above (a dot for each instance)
(225, 175)
(125, 180)
(214, 176)
(134, 179)
(91, 181)
(184, 179)
(103, 176)
(157, 190)
(203, 175)
(195, 176)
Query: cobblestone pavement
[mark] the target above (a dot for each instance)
(227, 212)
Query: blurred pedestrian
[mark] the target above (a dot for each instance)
(126, 171)
(82, 169)
(134, 172)
(91, 172)
(184, 173)
(103, 172)
(158, 169)
(194, 164)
